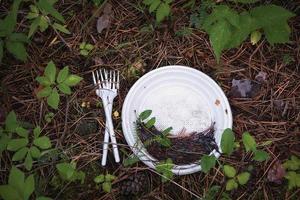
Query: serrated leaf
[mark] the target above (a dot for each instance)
(11, 122)
(278, 33)
(35, 152)
(34, 9)
(89, 47)
(109, 177)
(65, 170)
(29, 186)
(151, 122)
(17, 49)
(64, 88)
(227, 141)
(20, 154)
(50, 71)
(47, 7)
(61, 28)
(162, 11)
(293, 179)
(37, 131)
(42, 142)
(145, 114)
(229, 171)
(243, 178)
(154, 5)
(43, 80)
(292, 164)
(207, 163)
(84, 52)
(106, 186)
(99, 179)
(72, 80)
(16, 144)
(28, 162)
(44, 24)
(82, 45)
(260, 155)
(7, 192)
(62, 75)
(249, 142)
(231, 185)
(16, 178)
(22, 132)
(53, 99)
(45, 92)
(32, 15)
(34, 26)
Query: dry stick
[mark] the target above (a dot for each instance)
(192, 193)
(93, 16)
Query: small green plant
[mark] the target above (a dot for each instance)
(49, 116)
(39, 17)
(11, 124)
(234, 179)
(165, 168)
(85, 48)
(228, 29)
(161, 7)
(69, 173)
(12, 41)
(52, 84)
(208, 162)
(293, 173)
(105, 181)
(250, 145)
(213, 193)
(23, 148)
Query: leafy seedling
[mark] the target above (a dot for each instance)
(52, 84)
(105, 181)
(165, 168)
(49, 116)
(85, 48)
(228, 141)
(40, 19)
(160, 7)
(11, 124)
(293, 175)
(69, 173)
(234, 179)
(208, 162)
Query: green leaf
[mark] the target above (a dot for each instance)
(109, 177)
(163, 140)
(82, 45)
(154, 5)
(62, 75)
(208, 162)
(278, 33)
(106, 186)
(43, 198)
(151, 122)
(167, 131)
(29, 186)
(1, 50)
(20, 154)
(64, 88)
(45, 92)
(11, 122)
(17, 49)
(16, 144)
(249, 142)
(219, 37)
(16, 178)
(227, 141)
(22, 132)
(7, 192)
(44, 24)
(260, 156)
(35, 152)
(34, 25)
(4, 139)
(163, 11)
(53, 99)
(165, 168)
(65, 170)
(255, 37)
(72, 80)
(292, 164)
(50, 71)
(28, 162)
(32, 15)
(43, 80)
(99, 179)
(61, 28)
(229, 171)
(37, 131)
(84, 52)
(42, 142)
(18, 37)
(89, 47)
(231, 184)
(34, 9)
(145, 114)
(243, 178)
(47, 7)
(293, 179)
(132, 159)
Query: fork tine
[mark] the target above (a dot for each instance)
(94, 79)
(118, 80)
(110, 80)
(98, 79)
(102, 79)
(114, 80)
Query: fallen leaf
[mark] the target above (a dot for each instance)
(244, 88)
(104, 21)
(261, 77)
(98, 61)
(276, 173)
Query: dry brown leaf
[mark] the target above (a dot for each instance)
(276, 173)
(104, 21)
(244, 88)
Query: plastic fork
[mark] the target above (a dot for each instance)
(108, 84)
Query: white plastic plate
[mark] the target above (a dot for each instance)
(179, 97)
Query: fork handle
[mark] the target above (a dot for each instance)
(111, 130)
(106, 139)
